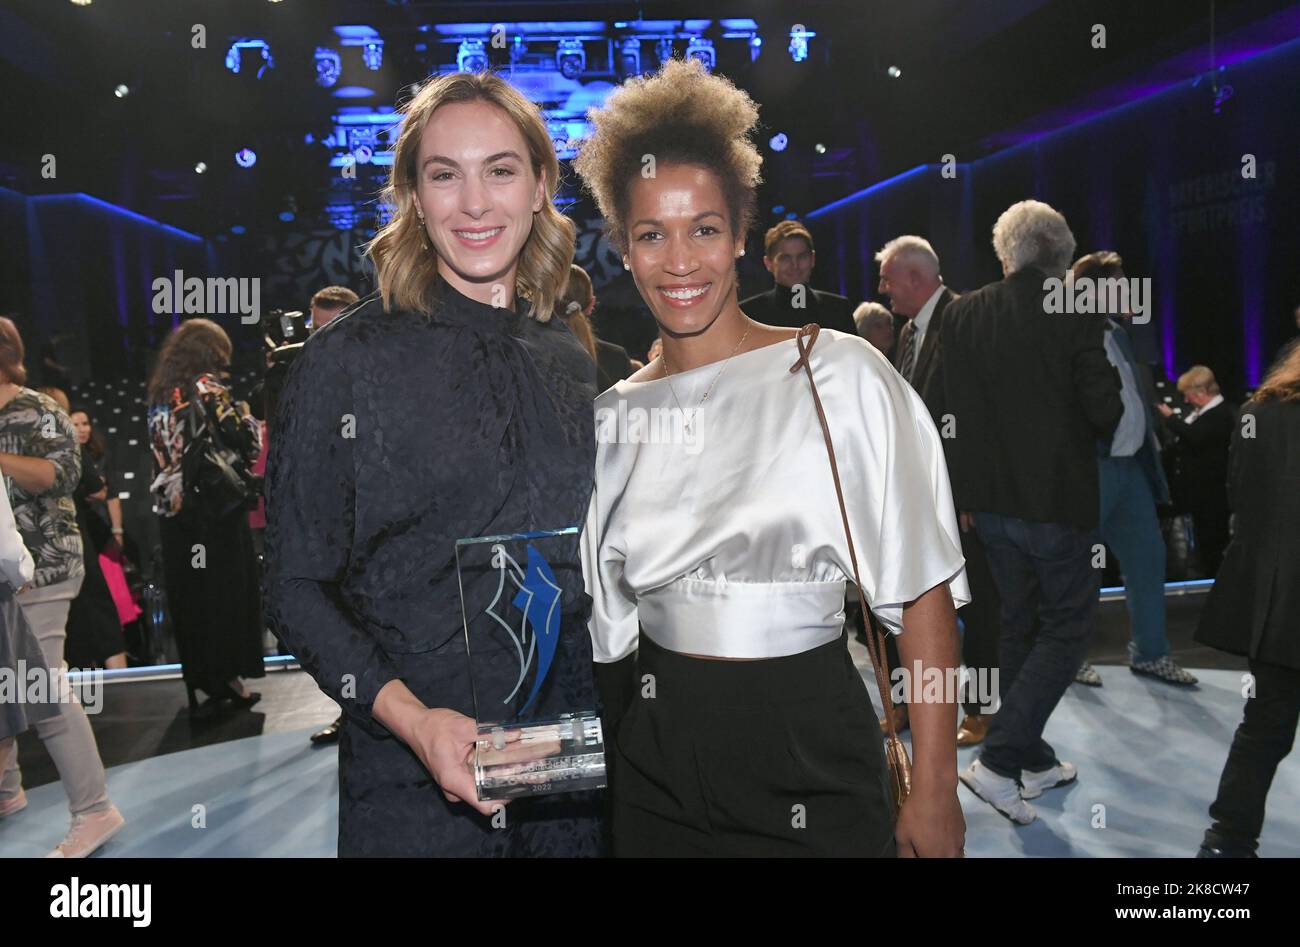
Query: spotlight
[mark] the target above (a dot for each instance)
(286, 216)
(200, 167)
(81, 3)
(328, 66)
(233, 55)
(472, 56)
(799, 42)
(819, 148)
(372, 54)
(778, 141)
(629, 57)
(121, 91)
(238, 230)
(571, 58)
(245, 157)
(755, 47)
(895, 72)
(702, 49)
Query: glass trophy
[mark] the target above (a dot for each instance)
(510, 602)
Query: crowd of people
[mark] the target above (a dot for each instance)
(981, 450)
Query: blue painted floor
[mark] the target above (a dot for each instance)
(1149, 757)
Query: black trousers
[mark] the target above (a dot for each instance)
(779, 757)
(1264, 738)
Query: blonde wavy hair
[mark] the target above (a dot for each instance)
(406, 272)
(1283, 380)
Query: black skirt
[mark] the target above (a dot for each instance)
(216, 609)
(779, 757)
(94, 629)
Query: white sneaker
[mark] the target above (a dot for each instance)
(89, 831)
(1032, 785)
(1001, 792)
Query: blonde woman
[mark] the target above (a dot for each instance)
(452, 404)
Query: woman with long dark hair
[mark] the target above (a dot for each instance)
(209, 566)
(715, 548)
(1252, 608)
(450, 405)
(95, 636)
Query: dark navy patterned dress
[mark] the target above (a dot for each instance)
(397, 434)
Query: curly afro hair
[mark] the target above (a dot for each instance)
(680, 115)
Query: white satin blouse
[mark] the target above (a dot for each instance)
(724, 538)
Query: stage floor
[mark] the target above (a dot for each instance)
(1149, 757)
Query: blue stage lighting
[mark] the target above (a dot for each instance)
(571, 58)
(372, 54)
(245, 157)
(472, 56)
(233, 55)
(778, 141)
(238, 229)
(799, 42)
(328, 66)
(702, 49)
(629, 57)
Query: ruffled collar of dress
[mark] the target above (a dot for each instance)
(454, 307)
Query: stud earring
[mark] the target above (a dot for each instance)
(627, 265)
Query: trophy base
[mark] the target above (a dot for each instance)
(563, 754)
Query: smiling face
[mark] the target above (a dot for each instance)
(81, 424)
(681, 248)
(477, 192)
(791, 262)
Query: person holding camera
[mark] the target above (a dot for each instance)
(204, 445)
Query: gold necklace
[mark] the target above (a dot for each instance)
(690, 418)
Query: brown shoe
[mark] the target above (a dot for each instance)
(973, 729)
(899, 713)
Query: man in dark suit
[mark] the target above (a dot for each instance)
(1200, 461)
(1251, 609)
(1030, 391)
(909, 276)
(789, 256)
(1133, 483)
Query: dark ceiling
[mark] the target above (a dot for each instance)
(972, 72)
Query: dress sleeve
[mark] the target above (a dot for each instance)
(310, 515)
(901, 511)
(55, 439)
(613, 621)
(16, 564)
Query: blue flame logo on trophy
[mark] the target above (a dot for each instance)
(530, 741)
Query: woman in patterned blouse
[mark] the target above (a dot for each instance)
(209, 565)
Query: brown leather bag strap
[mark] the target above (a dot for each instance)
(876, 645)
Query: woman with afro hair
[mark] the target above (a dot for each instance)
(715, 550)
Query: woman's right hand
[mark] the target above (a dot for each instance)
(444, 741)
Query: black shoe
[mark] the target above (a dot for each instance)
(330, 734)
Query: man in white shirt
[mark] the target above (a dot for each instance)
(910, 277)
